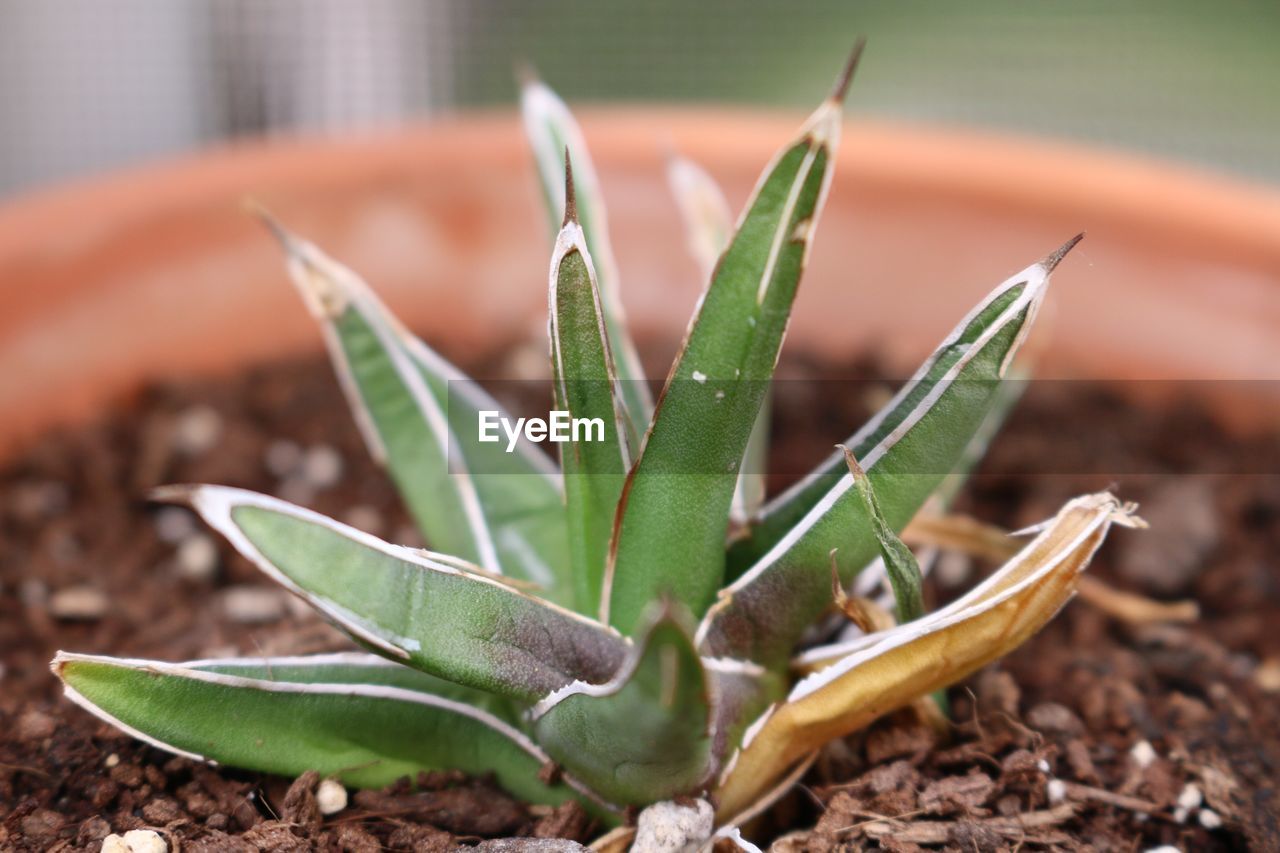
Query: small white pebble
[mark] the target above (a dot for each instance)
(719, 395)
(197, 430)
(135, 841)
(1143, 754)
(197, 557)
(699, 377)
(1179, 815)
(1042, 766)
(145, 841)
(173, 524)
(668, 827)
(1190, 798)
(1163, 848)
(322, 466)
(111, 761)
(1209, 819)
(1056, 790)
(282, 458)
(82, 603)
(252, 605)
(331, 797)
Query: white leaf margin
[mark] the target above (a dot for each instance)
(191, 670)
(215, 504)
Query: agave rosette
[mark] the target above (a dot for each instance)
(631, 615)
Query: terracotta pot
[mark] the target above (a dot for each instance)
(157, 272)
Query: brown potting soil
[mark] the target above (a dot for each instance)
(1094, 735)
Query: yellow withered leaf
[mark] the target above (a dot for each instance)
(966, 535)
(854, 683)
(961, 533)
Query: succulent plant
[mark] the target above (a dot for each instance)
(635, 624)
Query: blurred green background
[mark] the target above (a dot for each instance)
(1180, 78)
(87, 85)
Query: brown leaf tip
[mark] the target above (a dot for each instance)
(852, 461)
(570, 199)
(550, 773)
(1052, 260)
(838, 594)
(259, 211)
(846, 75)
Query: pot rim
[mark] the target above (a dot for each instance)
(1179, 199)
(1158, 203)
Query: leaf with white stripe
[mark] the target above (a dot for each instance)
(644, 736)
(708, 225)
(762, 614)
(1012, 387)
(881, 672)
(787, 509)
(518, 493)
(586, 386)
(900, 564)
(420, 418)
(551, 130)
(407, 605)
(685, 478)
(365, 721)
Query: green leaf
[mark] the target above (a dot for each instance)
(761, 615)
(900, 564)
(518, 493)
(585, 382)
(413, 606)
(419, 416)
(780, 515)
(551, 130)
(357, 668)
(709, 225)
(688, 468)
(1011, 390)
(363, 720)
(644, 736)
(740, 692)
(749, 491)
